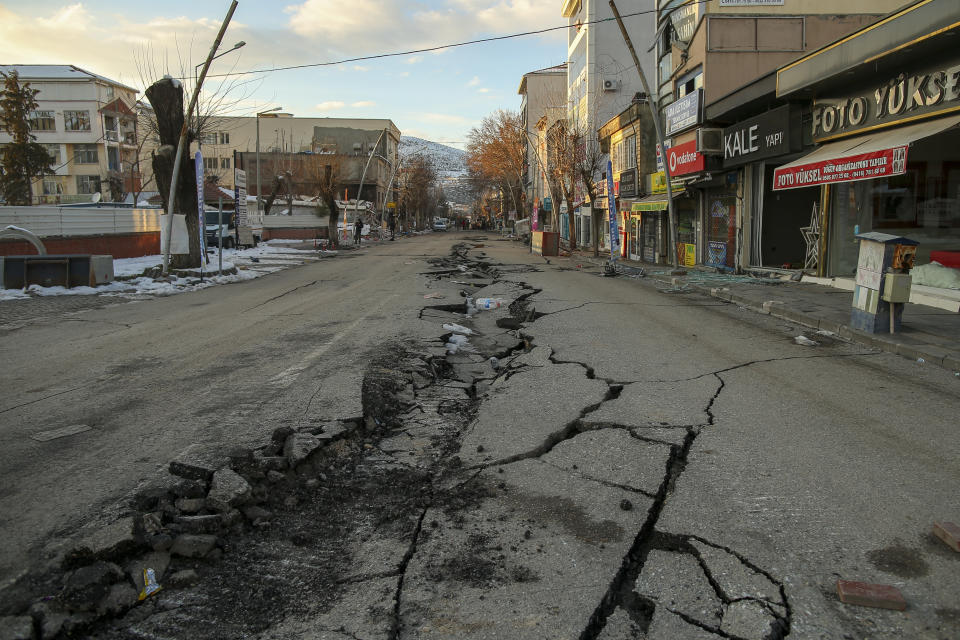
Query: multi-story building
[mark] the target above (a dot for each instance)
(88, 125)
(601, 79)
(704, 52)
(282, 133)
(544, 101)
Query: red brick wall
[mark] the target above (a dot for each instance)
(129, 245)
(294, 234)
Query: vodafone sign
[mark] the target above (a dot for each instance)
(684, 159)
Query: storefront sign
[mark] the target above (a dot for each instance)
(687, 254)
(684, 113)
(751, 3)
(684, 21)
(649, 205)
(909, 95)
(770, 134)
(240, 203)
(684, 159)
(877, 164)
(657, 183)
(628, 183)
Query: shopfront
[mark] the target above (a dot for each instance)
(685, 163)
(888, 132)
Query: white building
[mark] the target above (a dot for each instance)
(601, 79)
(544, 102)
(88, 125)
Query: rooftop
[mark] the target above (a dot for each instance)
(57, 72)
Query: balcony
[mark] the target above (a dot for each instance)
(111, 136)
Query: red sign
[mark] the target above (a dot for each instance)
(684, 159)
(864, 166)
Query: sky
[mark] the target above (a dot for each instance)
(438, 96)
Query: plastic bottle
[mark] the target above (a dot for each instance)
(484, 304)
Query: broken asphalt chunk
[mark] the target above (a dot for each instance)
(736, 579)
(228, 489)
(299, 446)
(193, 546)
(198, 462)
(748, 619)
(864, 594)
(87, 586)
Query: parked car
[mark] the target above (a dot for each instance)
(439, 225)
(226, 229)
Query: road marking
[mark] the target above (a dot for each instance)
(62, 432)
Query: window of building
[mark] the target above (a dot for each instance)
(54, 152)
(224, 163)
(76, 120)
(88, 184)
(85, 154)
(689, 83)
(51, 187)
(629, 153)
(42, 121)
(211, 164)
(224, 138)
(208, 138)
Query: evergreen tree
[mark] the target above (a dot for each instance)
(22, 159)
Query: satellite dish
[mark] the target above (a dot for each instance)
(96, 197)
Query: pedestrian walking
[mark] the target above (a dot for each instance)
(357, 230)
(393, 226)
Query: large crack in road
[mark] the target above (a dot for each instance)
(432, 514)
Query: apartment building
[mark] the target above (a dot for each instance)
(282, 133)
(543, 102)
(88, 125)
(601, 79)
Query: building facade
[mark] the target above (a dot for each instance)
(704, 52)
(543, 102)
(601, 82)
(88, 125)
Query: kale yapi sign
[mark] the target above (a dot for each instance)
(770, 134)
(905, 96)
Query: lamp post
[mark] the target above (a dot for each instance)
(259, 200)
(196, 71)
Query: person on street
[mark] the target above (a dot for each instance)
(393, 226)
(357, 230)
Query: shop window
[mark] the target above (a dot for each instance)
(76, 120)
(42, 121)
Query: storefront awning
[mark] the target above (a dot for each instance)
(655, 202)
(864, 157)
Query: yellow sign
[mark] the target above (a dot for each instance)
(391, 205)
(687, 254)
(658, 183)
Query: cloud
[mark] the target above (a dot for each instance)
(358, 67)
(364, 103)
(377, 25)
(414, 59)
(483, 90)
(474, 81)
(405, 74)
(331, 105)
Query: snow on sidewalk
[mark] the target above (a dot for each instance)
(144, 287)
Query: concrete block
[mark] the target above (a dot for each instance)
(198, 462)
(863, 594)
(193, 546)
(228, 489)
(949, 533)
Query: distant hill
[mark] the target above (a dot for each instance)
(448, 161)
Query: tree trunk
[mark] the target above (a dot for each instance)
(567, 197)
(166, 98)
(333, 241)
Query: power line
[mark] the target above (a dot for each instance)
(380, 56)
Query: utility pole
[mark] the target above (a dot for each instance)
(183, 136)
(363, 176)
(652, 101)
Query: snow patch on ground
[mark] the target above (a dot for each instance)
(143, 287)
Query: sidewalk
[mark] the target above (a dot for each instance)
(929, 334)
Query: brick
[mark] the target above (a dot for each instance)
(863, 594)
(949, 533)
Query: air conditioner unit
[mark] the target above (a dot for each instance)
(611, 84)
(710, 141)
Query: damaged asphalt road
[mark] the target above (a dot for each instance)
(592, 459)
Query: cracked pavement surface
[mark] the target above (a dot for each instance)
(600, 460)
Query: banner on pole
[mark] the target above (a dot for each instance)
(240, 197)
(612, 214)
(198, 171)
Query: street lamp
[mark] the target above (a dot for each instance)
(259, 200)
(196, 71)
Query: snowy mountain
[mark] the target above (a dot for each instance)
(447, 161)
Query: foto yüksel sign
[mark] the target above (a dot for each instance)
(865, 166)
(684, 159)
(909, 95)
